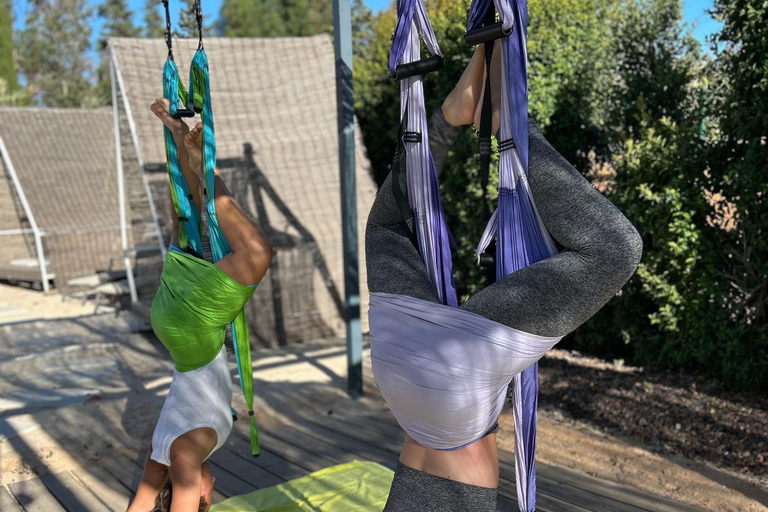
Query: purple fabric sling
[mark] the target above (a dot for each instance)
(521, 238)
(423, 188)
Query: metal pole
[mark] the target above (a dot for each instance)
(120, 183)
(342, 45)
(145, 181)
(28, 212)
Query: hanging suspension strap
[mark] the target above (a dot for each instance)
(200, 101)
(423, 204)
(486, 35)
(190, 227)
(176, 112)
(199, 18)
(520, 235)
(445, 374)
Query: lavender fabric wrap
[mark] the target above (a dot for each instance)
(423, 188)
(522, 237)
(443, 371)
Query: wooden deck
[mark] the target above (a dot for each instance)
(292, 450)
(74, 424)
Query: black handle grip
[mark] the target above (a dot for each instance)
(488, 260)
(419, 67)
(486, 33)
(183, 112)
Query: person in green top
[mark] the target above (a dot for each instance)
(193, 305)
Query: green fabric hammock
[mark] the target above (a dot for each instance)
(195, 302)
(355, 486)
(197, 299)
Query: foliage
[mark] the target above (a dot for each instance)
(572, 73)
(187, 24)
(154, 19)
(694, 186)
(275, 18)
(657, 60)
(53, 53)
(738, 165)
(117, 21)
(7, 67)
(13, 97)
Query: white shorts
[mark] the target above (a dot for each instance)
(197, 399)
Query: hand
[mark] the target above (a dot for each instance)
(162, 109)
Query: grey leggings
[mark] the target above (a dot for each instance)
(600, 252)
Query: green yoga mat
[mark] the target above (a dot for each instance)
(355, 486)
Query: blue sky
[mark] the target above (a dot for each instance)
(694, 12)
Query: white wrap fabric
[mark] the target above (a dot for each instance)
(443, 371)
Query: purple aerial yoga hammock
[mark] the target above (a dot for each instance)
(522, 240)
(423, 189)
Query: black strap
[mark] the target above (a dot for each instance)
(506, 144)
(486, 125)
(168, 41)
(486, 119)
(199, 17)
(398, 164)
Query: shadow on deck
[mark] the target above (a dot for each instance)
(306, 424)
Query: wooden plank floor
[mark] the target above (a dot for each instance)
(309, 443)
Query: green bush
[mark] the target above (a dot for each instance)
(695, 188)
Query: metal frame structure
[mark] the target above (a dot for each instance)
(38, 234)
(117, 80)
(342, 46)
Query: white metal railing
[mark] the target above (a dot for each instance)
(28, 211)
(117, 80)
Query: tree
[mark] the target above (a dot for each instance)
(53, 53)
(117, 22)
(572, 62)
(737, 166)
(276, 18)
(13, 97)
(187, 26)
(154, 21)
(691, 178)
(7, 67)
(658, 59)
(259, 18)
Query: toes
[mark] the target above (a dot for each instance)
(196, 131)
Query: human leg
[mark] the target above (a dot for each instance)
(251, 251)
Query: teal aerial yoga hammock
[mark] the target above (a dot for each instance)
(196, 299)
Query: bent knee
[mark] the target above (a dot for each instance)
(621, 252)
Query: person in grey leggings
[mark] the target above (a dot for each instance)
(600, 250)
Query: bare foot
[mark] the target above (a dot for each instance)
(162, 109)
(459, 107)
(193, 142)
(495, 90)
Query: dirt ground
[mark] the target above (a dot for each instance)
(651, 430)
(648, 430)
